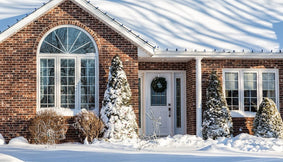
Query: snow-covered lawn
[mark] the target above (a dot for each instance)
(178, 148)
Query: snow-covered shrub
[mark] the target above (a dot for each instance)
(268, 122)
(89, 126)
(217, 121)
(47, 127)
(18, 141)
(117, 113)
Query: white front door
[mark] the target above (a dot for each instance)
(159, 109)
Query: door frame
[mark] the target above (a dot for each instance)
(174, 73)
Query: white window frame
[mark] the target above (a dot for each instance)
(57, 58)
(241, 112)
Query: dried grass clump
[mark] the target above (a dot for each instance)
(89, 126)
(47, 127)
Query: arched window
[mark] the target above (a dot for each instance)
(67, 70)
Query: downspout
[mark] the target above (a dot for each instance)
(198, 97)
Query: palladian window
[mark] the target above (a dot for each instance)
(68, 70)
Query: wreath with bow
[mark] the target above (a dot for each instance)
(159, 84)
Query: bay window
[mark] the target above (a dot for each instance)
(67, 71)
(244, 89)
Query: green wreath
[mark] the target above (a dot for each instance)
(159, 84)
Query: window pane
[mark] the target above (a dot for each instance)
(178, 102)
(67, 71)
(231, 90)
(83, 45)
(139, 99)
(158, 98)
(268, 86)
(88, 84)
(47, 87)
(250, 91)
(67, 40)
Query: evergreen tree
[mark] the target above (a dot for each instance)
(217, 121)
(268, 122)
(117, 112)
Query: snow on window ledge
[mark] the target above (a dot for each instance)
(237, 114)
(66, 112)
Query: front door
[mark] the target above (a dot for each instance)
(159, 104)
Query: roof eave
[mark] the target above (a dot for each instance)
(185, 56)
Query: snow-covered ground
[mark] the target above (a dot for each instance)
(178, 148)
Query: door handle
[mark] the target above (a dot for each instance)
(169, 109)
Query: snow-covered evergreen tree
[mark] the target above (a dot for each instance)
(268, 122)
(117, 112)
(217, 121)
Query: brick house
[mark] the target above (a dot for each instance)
(58, 58)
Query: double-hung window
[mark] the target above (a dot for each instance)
(244, 89)
(67, 71)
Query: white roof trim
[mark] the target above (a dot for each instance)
(228, 55)
(115, 25)
(178, 56)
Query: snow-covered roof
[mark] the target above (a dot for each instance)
(229, 25)
(87, 6)
(203, 24)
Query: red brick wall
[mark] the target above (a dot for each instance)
(18, 64)
(208, 65)
(191, 97)
(243, 125)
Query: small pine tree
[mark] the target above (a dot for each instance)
(117, 113)
(268, 122)
(217, 121)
